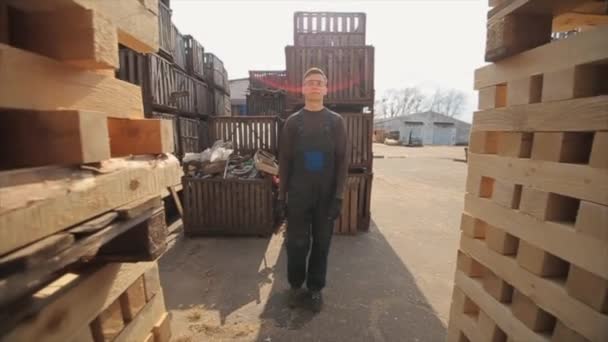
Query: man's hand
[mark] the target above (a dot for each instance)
(335, 208)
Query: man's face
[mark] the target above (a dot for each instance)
(314, 87)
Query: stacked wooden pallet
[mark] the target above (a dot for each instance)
(533, 258)
(82, 171)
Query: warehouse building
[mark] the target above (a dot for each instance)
(238, 96)
(428, 128)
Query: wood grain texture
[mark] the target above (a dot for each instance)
(88, 295)
(584, 182)
(558, 239)
(52, 137)
(29, 73)
(140, 136)
(590, 47)
(143, 324)
(73, 35)
(591, 115)
(32, 198)
(548, 294)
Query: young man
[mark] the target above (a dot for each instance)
(313, 169)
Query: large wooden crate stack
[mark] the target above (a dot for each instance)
(176, 82)
(335, 42)
(266, 94)
(82, 175)
(533, 257)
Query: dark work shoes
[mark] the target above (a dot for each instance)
(293, 297)
(296, 296)
(316, 301)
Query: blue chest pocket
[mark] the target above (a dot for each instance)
(314, 161)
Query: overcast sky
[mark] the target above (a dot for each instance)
(427, 42)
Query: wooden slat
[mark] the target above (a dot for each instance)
(558, 239)
(27, 222)
(30, 256)
(547, 58)
(498, 312)
(29, 73)
(162, 329)
(591, 115)
(548, 294)
(144, 323)
(133, 209)
(140, 136)
(52, 137)
(88, 295)
(585, 182)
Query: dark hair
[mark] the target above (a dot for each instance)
(314, 71)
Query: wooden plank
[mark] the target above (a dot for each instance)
(584, 182)
(515, 33)
(178, 203)
(151, 282)
(93, 225)
(514, 144)
(546, 58)
(133, 209)
(162, 329)
(465, 323)
(52, 137)
(29, 73)
(591, 115)
(599, 157)
(561, 333)
(489, 330)
(569, 83)
(524, 91)
(23, 220)
(88, 295)
(143, 324)
(549, 7)
(499, 313)
(21, 284)
(74, 35)
(558, 239)
(592, 219)
(573, 20)
(353, 199)
(472, 227)
(588, 288)
(108, 324)
(31, 255)
(140, 136)
(469, 266)
(539, 262)
(530, 314)
(137, 21)
(497, 287)
(547, 293)
(133, 300)
(501, 242)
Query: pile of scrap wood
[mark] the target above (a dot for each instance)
(82, 175)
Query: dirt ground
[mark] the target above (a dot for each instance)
(393, 283)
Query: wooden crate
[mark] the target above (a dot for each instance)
(202, 100)
(267, 80)
(349, 70)
(165, 33)
(219, 206)
(214, 70)
(184, 85)
(248, 134)
(533, 256)
(265, 103)
(160, 83)
(328, 29)
(359, 131)
(189, 135)
(194, 57)
(356, 213)
(178, 52)
(132, 66)
(174, 127)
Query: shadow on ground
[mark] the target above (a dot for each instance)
(226, 290)
(371, 296)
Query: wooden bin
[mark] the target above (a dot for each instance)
(165, 32)
(247, 133)
(349, 70)
(228, 206)
(267, 80)
(265, 103)
(189, 135)
(179, 48)
(356, 213)
(328, 29)
(359, 131)
(214, 71)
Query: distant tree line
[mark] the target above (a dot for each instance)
(410, 100)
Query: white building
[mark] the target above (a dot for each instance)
(430, 128)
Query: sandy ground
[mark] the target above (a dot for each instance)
(393, 283)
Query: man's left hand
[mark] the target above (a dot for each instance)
(335, 208)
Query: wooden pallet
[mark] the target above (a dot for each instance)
(248, 134)
(115, 302)
(533, 256)
(359, 131)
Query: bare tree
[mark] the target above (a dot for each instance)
(450, 102)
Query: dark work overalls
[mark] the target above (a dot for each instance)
(311, 189)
